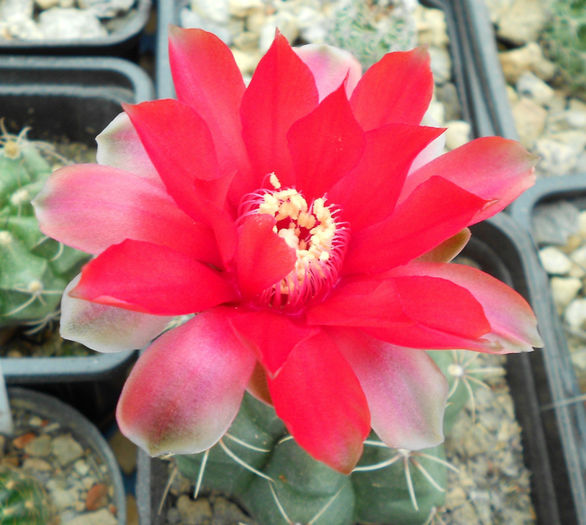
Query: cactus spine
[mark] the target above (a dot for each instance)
(23, 500)
(258, 464)
(35, 269)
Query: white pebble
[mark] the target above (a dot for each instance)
(554, 261)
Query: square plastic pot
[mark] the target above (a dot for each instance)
(563, 401)
(121, 42)
(71, 98)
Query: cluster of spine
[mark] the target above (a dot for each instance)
(262, 467)
(565, 42)
(372, 28)
(35, 269)
(23, 500)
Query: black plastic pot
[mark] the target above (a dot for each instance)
(71, 98)
(83, 431)
(122, 42)
(563, 386)
(502, 249)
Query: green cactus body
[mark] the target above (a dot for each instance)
(372, 28)
(35, 269)
(23, 500)
(565, 41)
(258, 464)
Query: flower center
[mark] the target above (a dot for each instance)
(316, 234)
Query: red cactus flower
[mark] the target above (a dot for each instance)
(305, 221)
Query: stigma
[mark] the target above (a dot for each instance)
(316, 233)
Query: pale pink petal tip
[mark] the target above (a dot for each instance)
(185, 390)
(330, 67)
(107, 328)
(120, 147)
(406, 391)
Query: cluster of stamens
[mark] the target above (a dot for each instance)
(316, 234)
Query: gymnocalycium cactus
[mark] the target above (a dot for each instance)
(23, 500)
(35, 269)
(373, 28)
(565, 41)
(260, 465)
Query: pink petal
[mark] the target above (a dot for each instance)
(406, 391)
(397, 88)
(120, 147)
(434, 212)
(281, 91)
(320, 400)
(262, 257)
(107, 328)
(496, 169)
(417, 313)
(185, 390)
(207, 78)
(513, 326)
(325, 145)
(272, 336)
(91, 207)
(150, 278)
(368, 194)
(330, 67)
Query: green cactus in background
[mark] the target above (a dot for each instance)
(372, 28)
(261, 466)
(34, 268)
(565, 42)
(23, 500)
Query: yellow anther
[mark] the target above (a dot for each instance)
(20, 197)
(275, 183)
(5, 238)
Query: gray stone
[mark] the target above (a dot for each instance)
(496, 8)
(564, 290)
(22, 29)
(529, 120)
(527, 58)
(522, 21)
(554, 261)
(441, 64)
(46, 4)
(531, 86)
(66, 449)
(457, 134)
(554, 223)
(100, 517)
(575, 314)
(431, 27)
(243, 8)
(106, 8)
(40, 446)
(193, 512)
(558, 156)
(16, 10)
(69, 23)
(447, 94)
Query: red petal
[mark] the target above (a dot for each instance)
(406, 391)
(320, 400)
(417, 313)
(368, 194)
(149, 278)
(207, 78)
(496, 169)
(397, 89)
(434, 212)
(185, 390)
(281, 91)
(325, 145)
(513, 325)
(91, 207)
(271, 336)
(262, 257)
